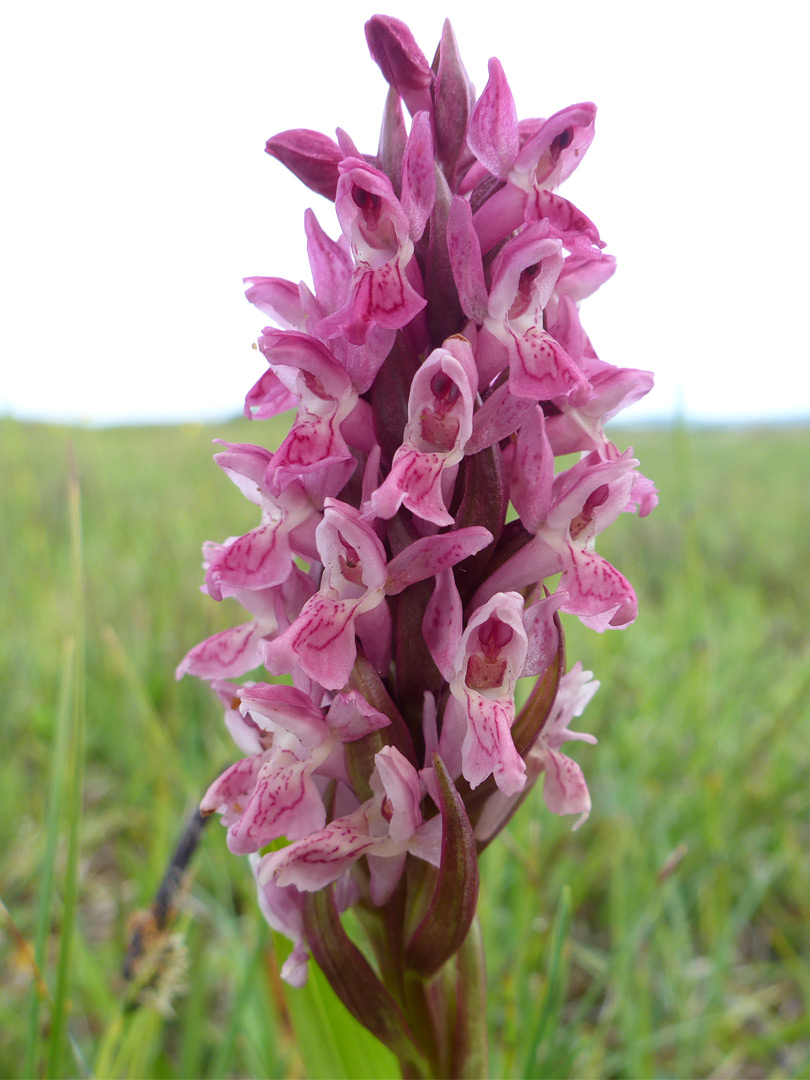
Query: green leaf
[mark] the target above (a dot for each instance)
(443, 929)
(353, 979)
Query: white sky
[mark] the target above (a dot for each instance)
(137, 192)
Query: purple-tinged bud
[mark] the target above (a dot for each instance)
(402, 62)
(311, 156)
(453, 97)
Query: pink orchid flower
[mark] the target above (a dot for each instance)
(234, 651)
(565, 790)
(524, 274)
(385, 828)
(325, 397)
(566, 515)
(378, 230)
(274, 793)
(440, 412)
(351, 599)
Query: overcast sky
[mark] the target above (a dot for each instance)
(138, 194)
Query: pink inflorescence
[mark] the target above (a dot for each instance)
(437, 366)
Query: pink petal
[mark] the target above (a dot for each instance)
(226, 655)
(386, 871)
(400, 781)
(278, 298)
(286, 802)
(235, 785)
(331, 265)
(532, 472)
(257, 560)
(351, 717)
(466, 262)
(429, 556)
(492, 134)
(415, 480)
(321, 857)
(321, 642)
(442, 624)
(273, 706)
(539, 367)
(598, 593)
(418, 176)
(564, 788)
(488, 745)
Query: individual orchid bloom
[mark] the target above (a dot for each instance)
(524, 274)
(263, 557)
(440, 412)
(322, 640)
(550, 151)
(583, 274)
(582, 502)
(274, 792)
(301, 726)
(311, 156)
(325, 396)
(489, 660)
(582, 428)
(386, 828)
(403, 64)
(352, 595)
(555, 149)
(564, 789)
(233, 652)
(378, 230)
(566, 223)
(278, 298)
(266, 796)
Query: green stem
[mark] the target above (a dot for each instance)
(470, 1053)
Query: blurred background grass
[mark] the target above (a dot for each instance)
(667, 937)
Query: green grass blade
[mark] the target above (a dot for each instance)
(555, 978)
(56, 798)
(74, 762)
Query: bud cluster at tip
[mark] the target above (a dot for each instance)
(438, 368)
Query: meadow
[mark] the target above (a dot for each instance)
(668, 937)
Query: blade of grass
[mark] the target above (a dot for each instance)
(552, 999)
(56, 799)
(246, 987)
(74, 762)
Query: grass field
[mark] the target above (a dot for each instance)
(669, 937)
